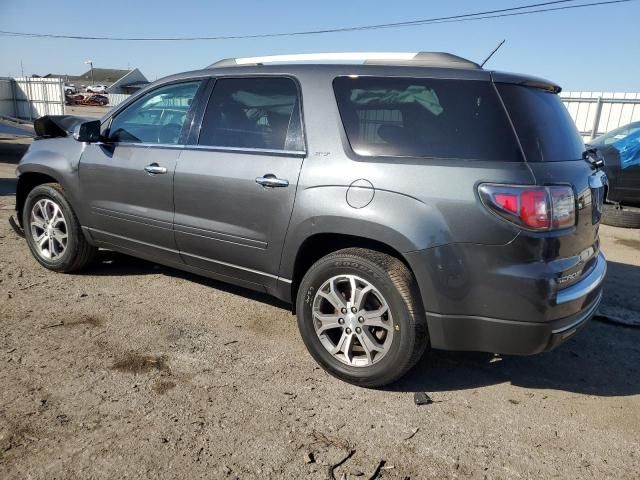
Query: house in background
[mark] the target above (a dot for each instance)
(129, 83)
(118, 81)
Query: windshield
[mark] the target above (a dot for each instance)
(543, 124)
(615, 135)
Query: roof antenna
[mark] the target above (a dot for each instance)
(491, 54)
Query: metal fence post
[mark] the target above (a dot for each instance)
(596, 121)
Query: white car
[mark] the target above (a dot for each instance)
(97, 89)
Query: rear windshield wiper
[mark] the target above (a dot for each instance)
(594, 157)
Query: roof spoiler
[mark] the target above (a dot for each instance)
(422, 59)
(527, 81)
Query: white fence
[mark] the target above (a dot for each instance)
(31, 98)
(596, 113)
(117, 98)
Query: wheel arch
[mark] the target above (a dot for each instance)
(27, 181)
(319, 245)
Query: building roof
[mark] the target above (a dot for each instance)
(102, 75)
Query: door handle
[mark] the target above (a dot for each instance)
(270, 180)
(154, 169)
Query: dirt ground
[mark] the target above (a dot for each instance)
(133, 370)
(86, 110)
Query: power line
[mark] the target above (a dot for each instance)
(500, 13)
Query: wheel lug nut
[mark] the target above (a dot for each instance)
(341, 321)
(343, 310)
(358, 330)
(361, 319)
(348, 330)
(354, 309)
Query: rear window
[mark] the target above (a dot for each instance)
(543, 124)
(425, 117)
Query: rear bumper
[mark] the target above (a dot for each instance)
(450, 332)
(515, 337)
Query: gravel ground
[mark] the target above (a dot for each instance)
(130, 369)
(86, 110)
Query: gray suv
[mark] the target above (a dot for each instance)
(405, 202)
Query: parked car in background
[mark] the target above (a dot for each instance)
(98, 100)
(415, 200)
(620, 149)
(73, 99)
(95, 100)
(97, 89)
(70, 89)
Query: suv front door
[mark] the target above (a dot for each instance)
(234, 187)
(128, 179)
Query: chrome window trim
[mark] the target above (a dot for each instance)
(293, 153)
(141, 145)
(296, 153)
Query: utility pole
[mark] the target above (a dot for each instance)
(90, 62)
(21, 69)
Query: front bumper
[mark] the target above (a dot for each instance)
(15, 224)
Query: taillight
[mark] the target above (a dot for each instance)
(534, 208)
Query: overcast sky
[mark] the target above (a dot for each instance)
(595, 49)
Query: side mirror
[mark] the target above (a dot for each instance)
(87, 132)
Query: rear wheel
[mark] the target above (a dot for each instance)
(620, 216)
(360, 316)
(53, 232)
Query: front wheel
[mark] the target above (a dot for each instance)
(53, 232)
(360, 316)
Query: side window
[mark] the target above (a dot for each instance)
(259, 113)
(157, 117)
(425, 118)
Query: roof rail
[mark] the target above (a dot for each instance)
(424, 59)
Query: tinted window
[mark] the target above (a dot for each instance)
(253, 113)
(424, 117)
(545, 128)
(157, 117)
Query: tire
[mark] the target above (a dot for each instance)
(69, 254)
(403, 329)
(620, 216)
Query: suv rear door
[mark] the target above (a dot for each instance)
(553, 149)
(127, 181)
(235, 184)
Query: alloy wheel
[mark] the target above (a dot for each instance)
(48, 229)
(352, 320)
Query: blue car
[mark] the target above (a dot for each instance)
(621, 151)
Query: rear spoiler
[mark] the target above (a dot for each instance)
(526, 80)
(51, 126)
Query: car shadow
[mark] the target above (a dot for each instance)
(602, 359)
(110, 263)
(12, 150)
(8, 187)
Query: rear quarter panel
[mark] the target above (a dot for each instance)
(416, 203)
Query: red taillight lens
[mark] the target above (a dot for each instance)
(534, 208)
(508, 201)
